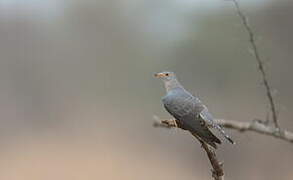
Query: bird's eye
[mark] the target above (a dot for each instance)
(167, 74)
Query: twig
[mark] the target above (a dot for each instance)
(217, 171)
(260, 63)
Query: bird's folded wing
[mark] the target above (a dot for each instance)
(207, 117)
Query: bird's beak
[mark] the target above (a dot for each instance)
(158, 75)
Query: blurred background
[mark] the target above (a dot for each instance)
(78, 94)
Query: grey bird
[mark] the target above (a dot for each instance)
(189, 111)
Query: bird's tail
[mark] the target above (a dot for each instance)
(221, 130)
(212, 142)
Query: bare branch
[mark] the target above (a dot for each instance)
(258, 127)
(217, 171)
(259, 61)
(254, 126)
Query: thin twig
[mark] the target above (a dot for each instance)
(217, 171)
(260, 63)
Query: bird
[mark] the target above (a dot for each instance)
(189, 111)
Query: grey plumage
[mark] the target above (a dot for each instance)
(190, 112)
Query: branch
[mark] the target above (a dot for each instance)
(217, 171)
(258, 127)
(259, 61)
(254, 126)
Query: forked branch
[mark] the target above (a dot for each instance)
(259, 61)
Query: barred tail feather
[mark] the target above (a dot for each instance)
(220, 129)
(208, 141)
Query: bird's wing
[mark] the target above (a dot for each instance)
(182, 103)
(209, 120)
(207, 117)
(185, 108)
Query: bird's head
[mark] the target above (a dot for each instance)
(165, 76)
